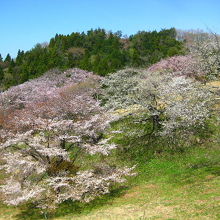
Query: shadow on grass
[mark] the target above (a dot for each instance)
(30, 212)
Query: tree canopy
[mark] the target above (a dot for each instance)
(97, 50)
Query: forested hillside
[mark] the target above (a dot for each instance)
(97, 50)
(139, 143)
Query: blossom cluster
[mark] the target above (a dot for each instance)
(207, 55)
(180, 101)
(42, 122)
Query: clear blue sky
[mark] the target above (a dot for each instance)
(27, 22)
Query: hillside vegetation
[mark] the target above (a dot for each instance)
(97, 50)
(140, 143)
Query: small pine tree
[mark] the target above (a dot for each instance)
(8, 58)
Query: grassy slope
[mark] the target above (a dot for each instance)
(183, 188)
(171, 186)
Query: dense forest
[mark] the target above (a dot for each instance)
(97, 50)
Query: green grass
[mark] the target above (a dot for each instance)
(185, 186)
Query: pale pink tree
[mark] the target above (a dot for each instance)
(46, 125)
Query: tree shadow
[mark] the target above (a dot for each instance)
(30, 212)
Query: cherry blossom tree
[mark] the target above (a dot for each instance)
(46, 124)
(202, 61)
(207, 55)
(173, 102)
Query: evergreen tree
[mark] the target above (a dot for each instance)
(1, 73)
(8, 58)
(19, 57)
